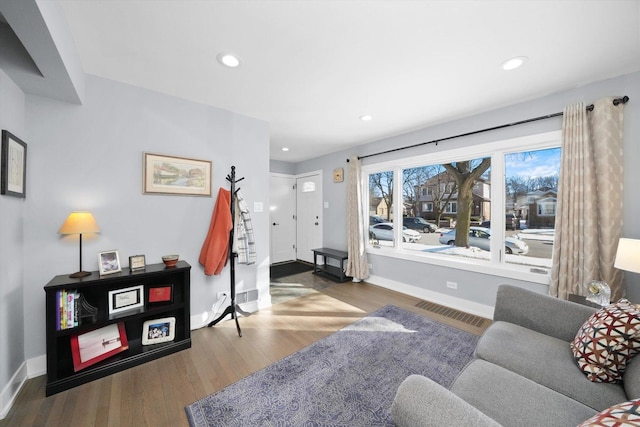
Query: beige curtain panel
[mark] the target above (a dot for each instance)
(589, 211)
(357, 263)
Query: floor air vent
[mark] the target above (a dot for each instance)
(452, 313)
(246, 296)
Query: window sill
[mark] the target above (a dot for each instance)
(510, 271)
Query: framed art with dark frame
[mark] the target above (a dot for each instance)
(164, 174)
(109, 262)
(13, 181)
(158, 331)
(136, 262)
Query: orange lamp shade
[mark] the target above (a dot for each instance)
(79, 223)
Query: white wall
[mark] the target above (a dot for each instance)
(12, 106)
(89, 157)
(476, 287)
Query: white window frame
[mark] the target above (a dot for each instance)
(496, 150)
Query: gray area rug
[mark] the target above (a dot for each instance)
(346, 379)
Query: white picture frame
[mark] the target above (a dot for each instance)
(109, 262)
(158, 330)
(126, 299)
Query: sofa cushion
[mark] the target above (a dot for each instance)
(631, 378)
(422, 402)
(627, 413)
(607, 340)
(547, 361)
(513, 400)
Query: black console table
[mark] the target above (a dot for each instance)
(330, 271)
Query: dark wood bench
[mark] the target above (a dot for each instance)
(330, 271)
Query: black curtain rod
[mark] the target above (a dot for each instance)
(616, 101)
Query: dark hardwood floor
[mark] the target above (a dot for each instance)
(155, 393)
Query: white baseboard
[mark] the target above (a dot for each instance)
(37, 366)
(30, 368)
(11, 390)
(471, 307)
(202, 319)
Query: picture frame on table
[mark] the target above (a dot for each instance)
(13, 166)
(164, 174)
(158, 331)
(126, 299)
(160, 294)
(109, 262)
(94, 346)
(137, 262)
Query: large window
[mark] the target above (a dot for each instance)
(491, 204)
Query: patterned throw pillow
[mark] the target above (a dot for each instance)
(607, 340)
(624, 414)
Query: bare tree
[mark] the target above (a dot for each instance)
(465, 175)
(516, 187)
(381, 184)
(413, 181)
(443, 188)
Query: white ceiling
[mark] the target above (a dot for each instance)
(311, 68)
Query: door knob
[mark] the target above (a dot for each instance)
(316, 223)
(275, 223)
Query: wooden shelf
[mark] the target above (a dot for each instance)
(60, 369)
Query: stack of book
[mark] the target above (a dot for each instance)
(72, 309)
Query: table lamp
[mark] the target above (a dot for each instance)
(79, 223)
(628, 255)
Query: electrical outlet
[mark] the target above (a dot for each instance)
(370, 267)
(452, 285)
(221, 295)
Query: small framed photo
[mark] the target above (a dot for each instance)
(13, 168)
(109, 262)
(158, 330)
(160, 294)
(94, 346)
(136, 262)
(126, 299)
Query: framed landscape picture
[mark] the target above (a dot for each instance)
(176, 175)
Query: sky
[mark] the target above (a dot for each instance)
(532, 164)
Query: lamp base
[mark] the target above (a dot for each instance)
(80, 274)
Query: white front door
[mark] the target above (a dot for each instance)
(282, 211)
(309, 203)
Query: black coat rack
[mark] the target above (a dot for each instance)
(233, 309)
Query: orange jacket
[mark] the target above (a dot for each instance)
(215, 249)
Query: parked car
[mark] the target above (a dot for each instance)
(375, 219)
(511, 223)
(384, 231)
(479, 237)
(420, 224)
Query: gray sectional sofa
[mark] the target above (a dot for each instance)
(523, 374)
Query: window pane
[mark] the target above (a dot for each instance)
(530, 202)
(381, 208)
(446, 200)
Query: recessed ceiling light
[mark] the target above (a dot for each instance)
(229, 60)
(285, 149)
(513, 63)
(366, 118)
